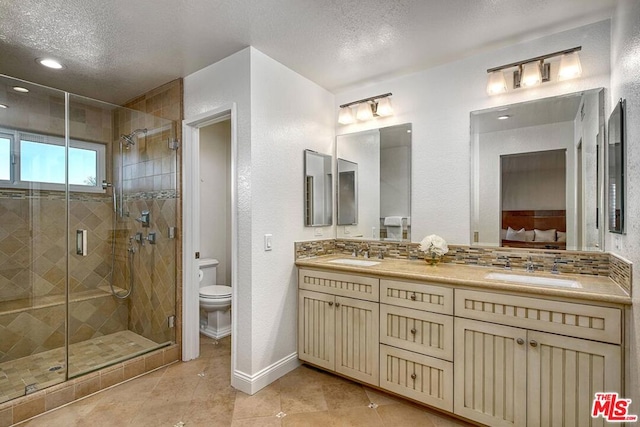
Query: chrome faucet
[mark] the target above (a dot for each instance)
(529, 265)
(507, 264)
(556, 261)
(365, 251)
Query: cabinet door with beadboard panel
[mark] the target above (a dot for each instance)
(357, 339)
(423, 378)
(415, 330)
(490, 378)
(316, 328)
(563, 376)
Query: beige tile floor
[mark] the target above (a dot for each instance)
(197, 393)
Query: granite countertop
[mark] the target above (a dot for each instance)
(594, 288)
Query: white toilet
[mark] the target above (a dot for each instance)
(215, 302)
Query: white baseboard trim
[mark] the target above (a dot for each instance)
(250, 384)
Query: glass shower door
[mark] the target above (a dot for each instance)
(123, 289)
(33, 244)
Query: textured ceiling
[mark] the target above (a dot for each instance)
(115, 50)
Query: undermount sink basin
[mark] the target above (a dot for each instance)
(356, 262)
(533, 280)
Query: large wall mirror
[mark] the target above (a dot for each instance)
(616, 155)
(318, 189)
(374, 184)
(537, 175)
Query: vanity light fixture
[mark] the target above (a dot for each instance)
(20, 89)
(534, 71)
(367, 109)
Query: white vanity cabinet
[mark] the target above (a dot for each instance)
(336, 332)
(499, 358)
(516, 376)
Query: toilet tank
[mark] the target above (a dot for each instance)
(207, 273)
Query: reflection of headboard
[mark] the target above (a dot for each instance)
(535, 219)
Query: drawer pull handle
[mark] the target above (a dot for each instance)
(330, 303)
(533, 343)
(413, 297)
(520, 341)
(413, 331)
(337, 304)
(413, 376)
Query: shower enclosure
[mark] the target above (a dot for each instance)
(88, 205)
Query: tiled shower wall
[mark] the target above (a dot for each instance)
(151, 181)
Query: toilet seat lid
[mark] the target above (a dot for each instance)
(216, 291)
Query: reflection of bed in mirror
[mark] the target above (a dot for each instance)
(536, 229)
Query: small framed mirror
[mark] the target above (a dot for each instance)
(616, 168)
(318, 189)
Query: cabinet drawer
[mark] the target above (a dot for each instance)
(421, 296)
(346, 285)
(418, 331)
(565, 318)
(422, 378)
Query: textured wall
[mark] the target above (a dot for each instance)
(288, 114)
(213, 87)
(279, 115)
(625, 63)
(438, 102)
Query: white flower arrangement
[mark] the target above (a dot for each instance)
(434, 245)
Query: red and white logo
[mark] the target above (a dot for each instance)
(612, 408)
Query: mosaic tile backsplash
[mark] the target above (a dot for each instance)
(574, 262)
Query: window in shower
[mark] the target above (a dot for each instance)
(41, 159)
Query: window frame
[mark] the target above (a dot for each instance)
(16, 137)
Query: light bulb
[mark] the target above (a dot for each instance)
(497, 83)
(364, 112)
(570, 66)
(531, 75)
(345, 116)
(384, 107)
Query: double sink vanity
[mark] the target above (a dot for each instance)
(494, 346)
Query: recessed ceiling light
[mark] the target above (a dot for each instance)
(20, 89)
(3, 106)
(50, 63)
(505, 117)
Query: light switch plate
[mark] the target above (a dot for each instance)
(268, 242)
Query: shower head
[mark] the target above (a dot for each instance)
(128, 139)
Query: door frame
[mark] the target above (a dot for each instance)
(191, 226)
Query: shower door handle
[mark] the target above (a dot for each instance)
(81, 242)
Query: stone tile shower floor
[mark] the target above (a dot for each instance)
(198, 393)
(48, 367)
